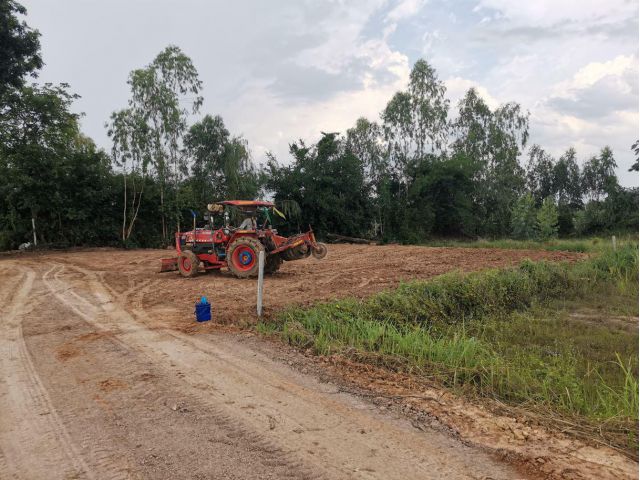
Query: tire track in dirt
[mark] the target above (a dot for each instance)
(105, 462)
(333, 432)
(132, 337)
(33, 439)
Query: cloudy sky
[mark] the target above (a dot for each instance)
(277, 71)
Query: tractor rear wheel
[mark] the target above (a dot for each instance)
(272, 263)
(242, 257)
(188, 263)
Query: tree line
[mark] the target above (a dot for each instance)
(424, 168)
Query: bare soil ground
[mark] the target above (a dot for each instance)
(348, 270)
(104, 374)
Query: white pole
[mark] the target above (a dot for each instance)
(260, 280)
(33, 225)
(613, 239)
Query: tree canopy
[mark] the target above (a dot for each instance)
(19, 47)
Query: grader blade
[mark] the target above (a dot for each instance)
(169, 265)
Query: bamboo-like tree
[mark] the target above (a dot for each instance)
(149, 132)
(415, 121)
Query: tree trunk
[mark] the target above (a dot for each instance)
(135, 208)
(342, 238)
(60, 227)
(164, 225)
(124, 209)
(33, 225)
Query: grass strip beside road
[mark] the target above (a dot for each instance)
(582, 245)
(558, 336)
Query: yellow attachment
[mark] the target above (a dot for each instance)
(279, 212)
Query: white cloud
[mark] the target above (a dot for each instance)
(458, 86)
(588, 106)
(548, 13)
(429, 39)
(342, 29)
(594, 107)
(601, 92)
(306, 120)
(404, 9)
(590, 74)
(556, 132)
(383, 71)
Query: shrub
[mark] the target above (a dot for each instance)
(523, 219)
(548, 220)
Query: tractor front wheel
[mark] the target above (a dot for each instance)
(188, 263)
(242, 257)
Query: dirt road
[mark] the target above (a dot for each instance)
(102, 376)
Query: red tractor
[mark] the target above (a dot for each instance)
(238, 248)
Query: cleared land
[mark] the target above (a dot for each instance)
(104, 374)
(348, 270)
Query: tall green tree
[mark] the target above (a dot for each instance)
(415, 121)
(36, 131)
(540, 174)
(221, 165)
(598, 175)
(327, 182)
(504, 179)
(163, 95)
(429, 108)
(567, 188)
(132, 152)
(493, 140)
(566, 180)
(51, 173)
(19, 47)
(635, 148)
(441, 197)
(366, 142)
(472, 127)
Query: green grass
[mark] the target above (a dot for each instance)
(584, 245)
(546, 335)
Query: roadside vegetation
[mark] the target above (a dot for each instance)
(549, 337)
(580, 245)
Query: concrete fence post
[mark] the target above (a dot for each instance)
(613, 240)
(260, 281)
